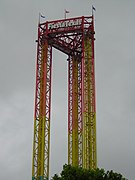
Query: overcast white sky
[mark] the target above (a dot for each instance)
(115, 86)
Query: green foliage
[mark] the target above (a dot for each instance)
(77, 173)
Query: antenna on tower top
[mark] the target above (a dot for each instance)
(93, 9)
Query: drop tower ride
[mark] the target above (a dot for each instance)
(75, 38)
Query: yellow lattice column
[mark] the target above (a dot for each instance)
(89, 114)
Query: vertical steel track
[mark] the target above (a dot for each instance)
(89, 111)
(74, 112)
(70, 109)
(41, 144)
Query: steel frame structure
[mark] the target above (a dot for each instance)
(74, 37)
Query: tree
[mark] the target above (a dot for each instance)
(77, 173)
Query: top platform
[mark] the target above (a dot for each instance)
(78, 24)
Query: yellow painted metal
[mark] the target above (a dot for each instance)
(41, 128)
(89, 116)
(75, 113)
(34, 151)
(41, 143)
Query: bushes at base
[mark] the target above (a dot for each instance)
(77, 173)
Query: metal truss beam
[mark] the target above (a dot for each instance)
(74, 112)
(41, 144)
(89, 109)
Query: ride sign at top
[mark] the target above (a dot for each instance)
(64, 25)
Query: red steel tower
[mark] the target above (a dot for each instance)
(74, 37)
